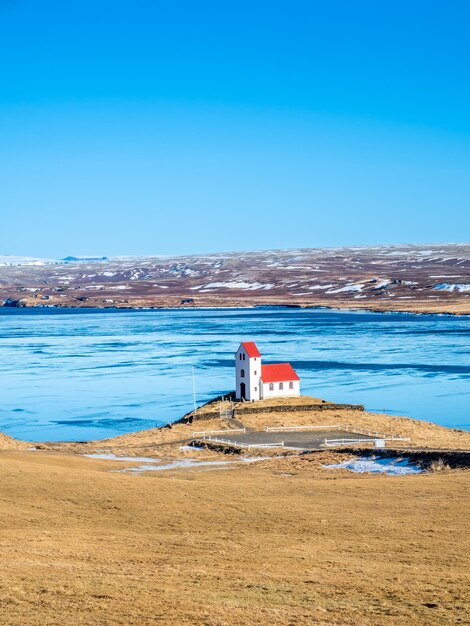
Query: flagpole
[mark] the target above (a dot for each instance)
(194, 392)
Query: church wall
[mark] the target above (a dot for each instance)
(281, 393)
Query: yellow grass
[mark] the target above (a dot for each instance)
(83, 545)
(280, 542)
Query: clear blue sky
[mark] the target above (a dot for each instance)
(151, 127)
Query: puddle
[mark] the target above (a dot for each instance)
(390, 466)
(113, 457)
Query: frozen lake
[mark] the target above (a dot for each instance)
(85, 374)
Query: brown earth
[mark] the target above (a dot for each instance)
(81, 544)
(282, 541)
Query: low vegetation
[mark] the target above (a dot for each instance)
(281, 541)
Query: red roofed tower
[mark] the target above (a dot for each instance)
(247, 372)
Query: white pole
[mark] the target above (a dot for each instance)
(194, 392)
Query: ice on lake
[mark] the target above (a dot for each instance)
(81, 375)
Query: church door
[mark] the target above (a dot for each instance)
(242, 391)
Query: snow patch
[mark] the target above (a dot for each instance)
(234, 285)
(392, 467)
(348, 288)
(178, 464)
(382, 284)
(112, 457)
(461, 287)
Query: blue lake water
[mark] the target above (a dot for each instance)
(86, 374)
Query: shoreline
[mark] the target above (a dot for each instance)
(254, 307)
(262, 413)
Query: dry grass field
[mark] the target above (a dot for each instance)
(252, 545)
(282, 541)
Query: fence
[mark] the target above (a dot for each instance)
(208, 433)
(371, 433)
(347, 429)
(238, 444)
(280, 429)
(345, 442)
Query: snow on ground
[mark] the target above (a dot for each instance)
(382, 284)
(177, 464)
(390, 466)
(8, 260)
(453, 287)
(348, 288)
(150, 464)
(112, 457)
(234, 285)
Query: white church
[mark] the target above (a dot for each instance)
(255, 381)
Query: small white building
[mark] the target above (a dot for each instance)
(255, 381)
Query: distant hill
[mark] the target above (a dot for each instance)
(83, 259)
(432, 278)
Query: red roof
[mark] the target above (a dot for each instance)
(251, 349)
(278, 373)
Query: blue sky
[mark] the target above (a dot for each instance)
(151, 127)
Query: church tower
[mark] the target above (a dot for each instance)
(247, 372)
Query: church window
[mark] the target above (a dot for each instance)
(291, 385)
(281, 385)
(242, 373)
(271, 386)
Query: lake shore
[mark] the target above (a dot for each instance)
(277, 412)
(459, 308)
